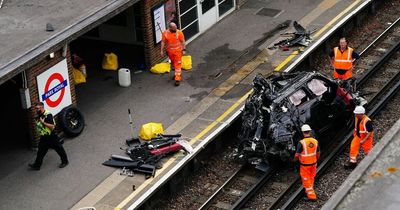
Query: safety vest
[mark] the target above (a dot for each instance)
(309, 154)
(172, 40)
(41, 129)
(343, 60)
(363, 127)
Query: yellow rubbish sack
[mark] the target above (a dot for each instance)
(161, 68)
(150, 130)
(110, 62)
(186, 62)
(79, 77)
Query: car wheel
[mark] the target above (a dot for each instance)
(71, 121)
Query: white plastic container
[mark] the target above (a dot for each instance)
(124, 77)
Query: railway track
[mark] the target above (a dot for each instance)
(388, 79)
(382, 82)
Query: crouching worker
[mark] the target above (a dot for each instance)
(308, 153)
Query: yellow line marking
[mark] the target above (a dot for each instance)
(227, 112)
(172, 159)
(220, 118)
(336, 18)
(294, 53)
(287, 60)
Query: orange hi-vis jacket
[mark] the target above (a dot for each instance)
(343, 60)
(309, 154)
(363, 129)
(173, 41)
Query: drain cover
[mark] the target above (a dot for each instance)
(268, 12)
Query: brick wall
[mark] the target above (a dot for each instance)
(151, 50)
(36, 70)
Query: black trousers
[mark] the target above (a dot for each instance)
(47, 142)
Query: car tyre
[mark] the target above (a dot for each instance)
(72, 121)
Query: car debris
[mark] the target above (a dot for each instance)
(301, 37)
(144, 156)
(282, 103)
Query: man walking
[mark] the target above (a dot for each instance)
(45, 126)
(342, 59)
(308, 153)
(363, 136)
(173, 41)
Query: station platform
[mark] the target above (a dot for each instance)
(222, 103)
(225, 60)
(375, 182)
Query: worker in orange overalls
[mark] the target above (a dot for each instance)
(363, 136)
(342, 59)
(308, 153)
(173, 41)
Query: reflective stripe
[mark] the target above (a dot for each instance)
(304, 148)
(340, 60)
(42, 129)
(343, 61)
(308, 155)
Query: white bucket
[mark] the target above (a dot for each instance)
(124, 77)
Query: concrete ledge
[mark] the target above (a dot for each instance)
(358, 172)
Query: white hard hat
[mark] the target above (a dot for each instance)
(305, 128)
(359, 110)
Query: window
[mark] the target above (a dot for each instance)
(317, 86)
(298, 97)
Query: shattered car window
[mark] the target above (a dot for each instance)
(298, 97)
(317, 87)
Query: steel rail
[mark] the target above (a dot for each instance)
(247, 195)
(209, 201)
(380, 99)
(380, 36)
(378, 64)
(250, 193)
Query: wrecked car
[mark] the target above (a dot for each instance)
(281, 104)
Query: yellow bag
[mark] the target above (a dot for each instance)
(78, 76)
(186, 62)
(150, 130)
(161, 68)
(110, 62)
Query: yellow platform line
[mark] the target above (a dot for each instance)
(227, 112)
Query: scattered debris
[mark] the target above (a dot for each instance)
(144, 156)
(49, 27)
(127, 172)
(300, 37)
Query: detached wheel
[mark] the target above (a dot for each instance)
(71, 121)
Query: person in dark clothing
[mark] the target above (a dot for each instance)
(45, 127)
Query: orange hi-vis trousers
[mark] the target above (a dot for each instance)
(176, 59)
(355, 147)
(307, 174)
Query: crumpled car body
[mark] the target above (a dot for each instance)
(281, 104)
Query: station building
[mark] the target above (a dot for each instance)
(38, 39)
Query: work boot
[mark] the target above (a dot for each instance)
(62, 165)
(350, 165)
(177, 83)
(34, 167)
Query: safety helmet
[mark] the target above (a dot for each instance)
(305, 128)
(359, 110)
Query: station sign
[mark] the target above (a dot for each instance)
(54, 88)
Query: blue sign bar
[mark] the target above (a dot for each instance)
(54, 90)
